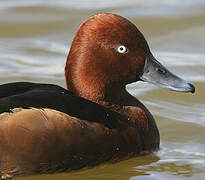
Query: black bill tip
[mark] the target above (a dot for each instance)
(192, 88)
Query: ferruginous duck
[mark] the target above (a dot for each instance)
(45, 128)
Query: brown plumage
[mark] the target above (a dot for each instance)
(45, 140)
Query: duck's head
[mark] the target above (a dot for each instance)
(108, 52)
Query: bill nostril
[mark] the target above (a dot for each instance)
(161, 71)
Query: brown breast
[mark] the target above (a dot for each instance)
(45, 140)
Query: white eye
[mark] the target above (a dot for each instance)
(122, 49)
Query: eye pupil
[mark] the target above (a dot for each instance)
(122, 49)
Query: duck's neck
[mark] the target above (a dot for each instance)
(98, 91)
(93, 85)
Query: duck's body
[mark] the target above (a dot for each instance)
(96, 119)
(64, 132)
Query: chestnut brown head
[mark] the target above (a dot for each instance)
(108, 52)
